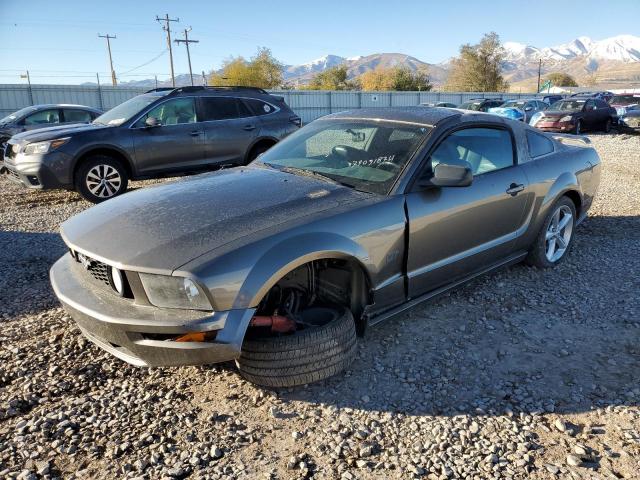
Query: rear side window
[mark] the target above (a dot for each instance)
(258, 107)
(223, 108)
(538, 144)
(76, 116)
(486, 149)
(43, 117)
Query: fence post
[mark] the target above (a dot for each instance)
(360, 99)
(99, 92)
(330, 104)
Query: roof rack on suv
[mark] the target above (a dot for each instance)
(195, 88)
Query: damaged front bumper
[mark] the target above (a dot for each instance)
(145, 335)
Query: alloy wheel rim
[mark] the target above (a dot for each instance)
(103, 181)
(559, 233)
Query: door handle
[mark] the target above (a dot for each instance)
(515, 188)
(248, 128)
(196, 133)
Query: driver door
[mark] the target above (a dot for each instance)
(454, 231)
(177, 143)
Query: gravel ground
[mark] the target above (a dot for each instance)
(522, 374)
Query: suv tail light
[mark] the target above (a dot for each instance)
(296, 120)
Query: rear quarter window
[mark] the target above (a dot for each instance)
(258, 107)
(538, 144)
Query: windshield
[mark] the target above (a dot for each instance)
(568, 105)
(125, 111)
(365, 155)
(513, 104)
(471, 106)
(15, 115)
(625, 100)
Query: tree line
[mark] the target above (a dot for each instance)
(477, 68)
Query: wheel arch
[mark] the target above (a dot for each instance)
(285, 257)
(565, 185)
(264, 140)
(108, 150)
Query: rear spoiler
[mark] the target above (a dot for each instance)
(574, 140)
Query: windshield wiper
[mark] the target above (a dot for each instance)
(311, 173)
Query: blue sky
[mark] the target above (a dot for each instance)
(58, 43)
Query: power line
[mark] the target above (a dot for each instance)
(146, 63)
(186, 41)
(167, 28)
(113, 73)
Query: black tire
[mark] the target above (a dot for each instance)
(537, 256)
(303, 357)
(607, 125)
(102, 163)
(256, 151)
(578, 128)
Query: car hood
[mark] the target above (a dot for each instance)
(558, 113)
(51, 133)
(158, 229)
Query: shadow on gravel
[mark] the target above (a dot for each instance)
(564, 340)
(25, 259)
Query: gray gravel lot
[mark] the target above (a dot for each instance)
(521, 374)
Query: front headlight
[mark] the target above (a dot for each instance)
(174, 292)
(44, 147)
(567, 118)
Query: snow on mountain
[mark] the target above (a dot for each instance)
(314, 66)
(624, 48)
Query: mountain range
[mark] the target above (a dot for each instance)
(606, 63)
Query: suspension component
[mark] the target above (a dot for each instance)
(278, 323)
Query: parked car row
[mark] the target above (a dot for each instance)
(162, 132)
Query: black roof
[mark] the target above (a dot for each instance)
(202, 88)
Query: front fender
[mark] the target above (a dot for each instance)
(291, 253)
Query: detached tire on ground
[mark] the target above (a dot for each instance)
(303, 357)
(101, 177)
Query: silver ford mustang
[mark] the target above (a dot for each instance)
(356, 217)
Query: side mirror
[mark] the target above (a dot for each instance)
(528, 109)
(152, 122)
(449, 175)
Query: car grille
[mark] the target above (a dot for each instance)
(8, 150)
(98, 270)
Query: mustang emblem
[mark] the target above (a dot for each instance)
(85, 261)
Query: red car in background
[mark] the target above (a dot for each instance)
(624, 101)
(574, 115)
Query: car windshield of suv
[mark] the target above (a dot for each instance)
(20, 113)
(513, 104)
(625, 100)
(366, 155)
(471, 106)
(125, 111)
(568, 105)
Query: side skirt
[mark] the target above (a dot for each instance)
(508, 261)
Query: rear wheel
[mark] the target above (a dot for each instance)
(100, 178)
(556, 236)
(257, 150)
(324, 346)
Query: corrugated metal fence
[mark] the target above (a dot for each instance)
(309, 104)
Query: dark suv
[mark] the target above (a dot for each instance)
(162, 132)
(481, 104)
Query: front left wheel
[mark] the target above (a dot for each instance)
(324, 347)
(100, 178)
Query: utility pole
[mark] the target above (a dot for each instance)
(186, 41)
(204, 79)
(28, 77)
(539, 70)
(167, 28)
(113, 73)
